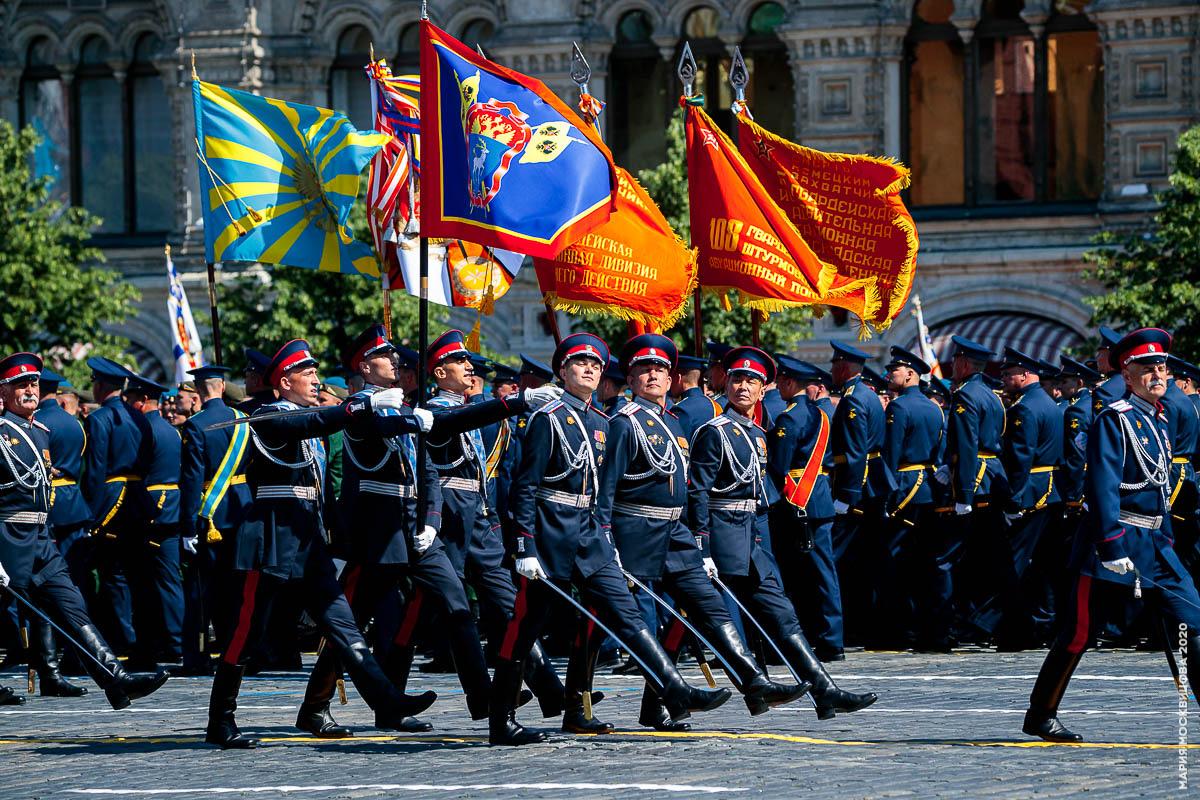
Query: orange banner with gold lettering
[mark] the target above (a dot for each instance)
(746, 242)
(846, 207)
(633, 267)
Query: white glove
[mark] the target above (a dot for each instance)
(3, 576)
(1011, 518)
(840, 508)
(1120, 566)
(710, 568)
(189, 544)
(962, 508)
(620, 566)
(536, 398)
(388, 398)
(424, 540)
(942, 475)
(529, 567)
(424, 419)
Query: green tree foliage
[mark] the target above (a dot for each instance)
(327, 309)
(667, 184)
(56, 296)
(1152, 274)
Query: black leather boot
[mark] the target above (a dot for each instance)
(761, 693)
(314, 716)
(830, 700)
(503, 728)
(397, 665)
(316, 719)
(391, 706)
(10, 698)
(679, 698)
(222, 703)
(580, 668)
(470, 663)
(120, 687)
(44, 655)
(1041, 720)
(543, 680)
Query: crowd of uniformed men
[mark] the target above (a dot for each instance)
(758, 508)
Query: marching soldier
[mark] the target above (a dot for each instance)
(1112, 386)
(1125, 547)
(393, 509)
(213, 501)
(643, 496)
(471, 528)
(1075, 380)
(726, 487)
(799, 463)
(30, 565)
(912, 546)
(860, 480)
(560, 540)
(258, 389)
(118, 454)
(154, 555)
(281, 541)
(1032, 451)
(692, 406)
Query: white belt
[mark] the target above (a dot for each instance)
(387, 489)
(288, 492)
(25, 517)
(650, 512)
(733, 505)
(1139, 520)
(564, 498)
(462, 484)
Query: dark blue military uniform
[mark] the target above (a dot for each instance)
(693, 409)
(802, 542)
(69, 512)
(1129, 457)
(1183, 426)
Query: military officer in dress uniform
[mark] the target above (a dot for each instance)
(692, 406)
(281, 541)
(1125, 546)
(643, 497)
(30, 564)
(1075, 379)
(118, 455)
(213, 501)
(68, 521)
(727, 486)
(973, 470)
(258, 389)
(1183, 427)
(799, 463)
(860, 482)
(559, 539)
(393, 510)
(506, 381)
(1112, 387)
(471, 529)
(913, 549)
(155, 577)
(1033, 433)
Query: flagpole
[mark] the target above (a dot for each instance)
(686, 70)
(423, 298)
(214, 315)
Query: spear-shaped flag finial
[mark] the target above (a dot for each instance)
(687, 70)
(581, 71)
(739, 76)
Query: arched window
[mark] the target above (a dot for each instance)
(153, 201)
(100, 177)
(478, 32)
(639, 96)
(771, 91)
(1032, 107)
(44, 107)
(408, 51)
(349, 91)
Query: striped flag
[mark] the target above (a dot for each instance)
(187, 348)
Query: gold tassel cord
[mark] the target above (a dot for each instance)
(216, 179)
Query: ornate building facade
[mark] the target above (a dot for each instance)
(1029, 126)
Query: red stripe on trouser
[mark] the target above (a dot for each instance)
(1083, 590)
(351, 581)
(674, 638)
(514, 625)
(584, 634)
(245, 618)
(412, 613)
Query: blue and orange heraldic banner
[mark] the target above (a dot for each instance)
(505, 163)
(278, 180)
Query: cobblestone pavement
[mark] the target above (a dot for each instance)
(945, 726)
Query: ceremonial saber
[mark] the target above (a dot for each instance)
(68, 637)
(250, 419)
(1168, 650)
(579, 607)
(762, 631)
(682, 619)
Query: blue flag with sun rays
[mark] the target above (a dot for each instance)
(278, 180)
